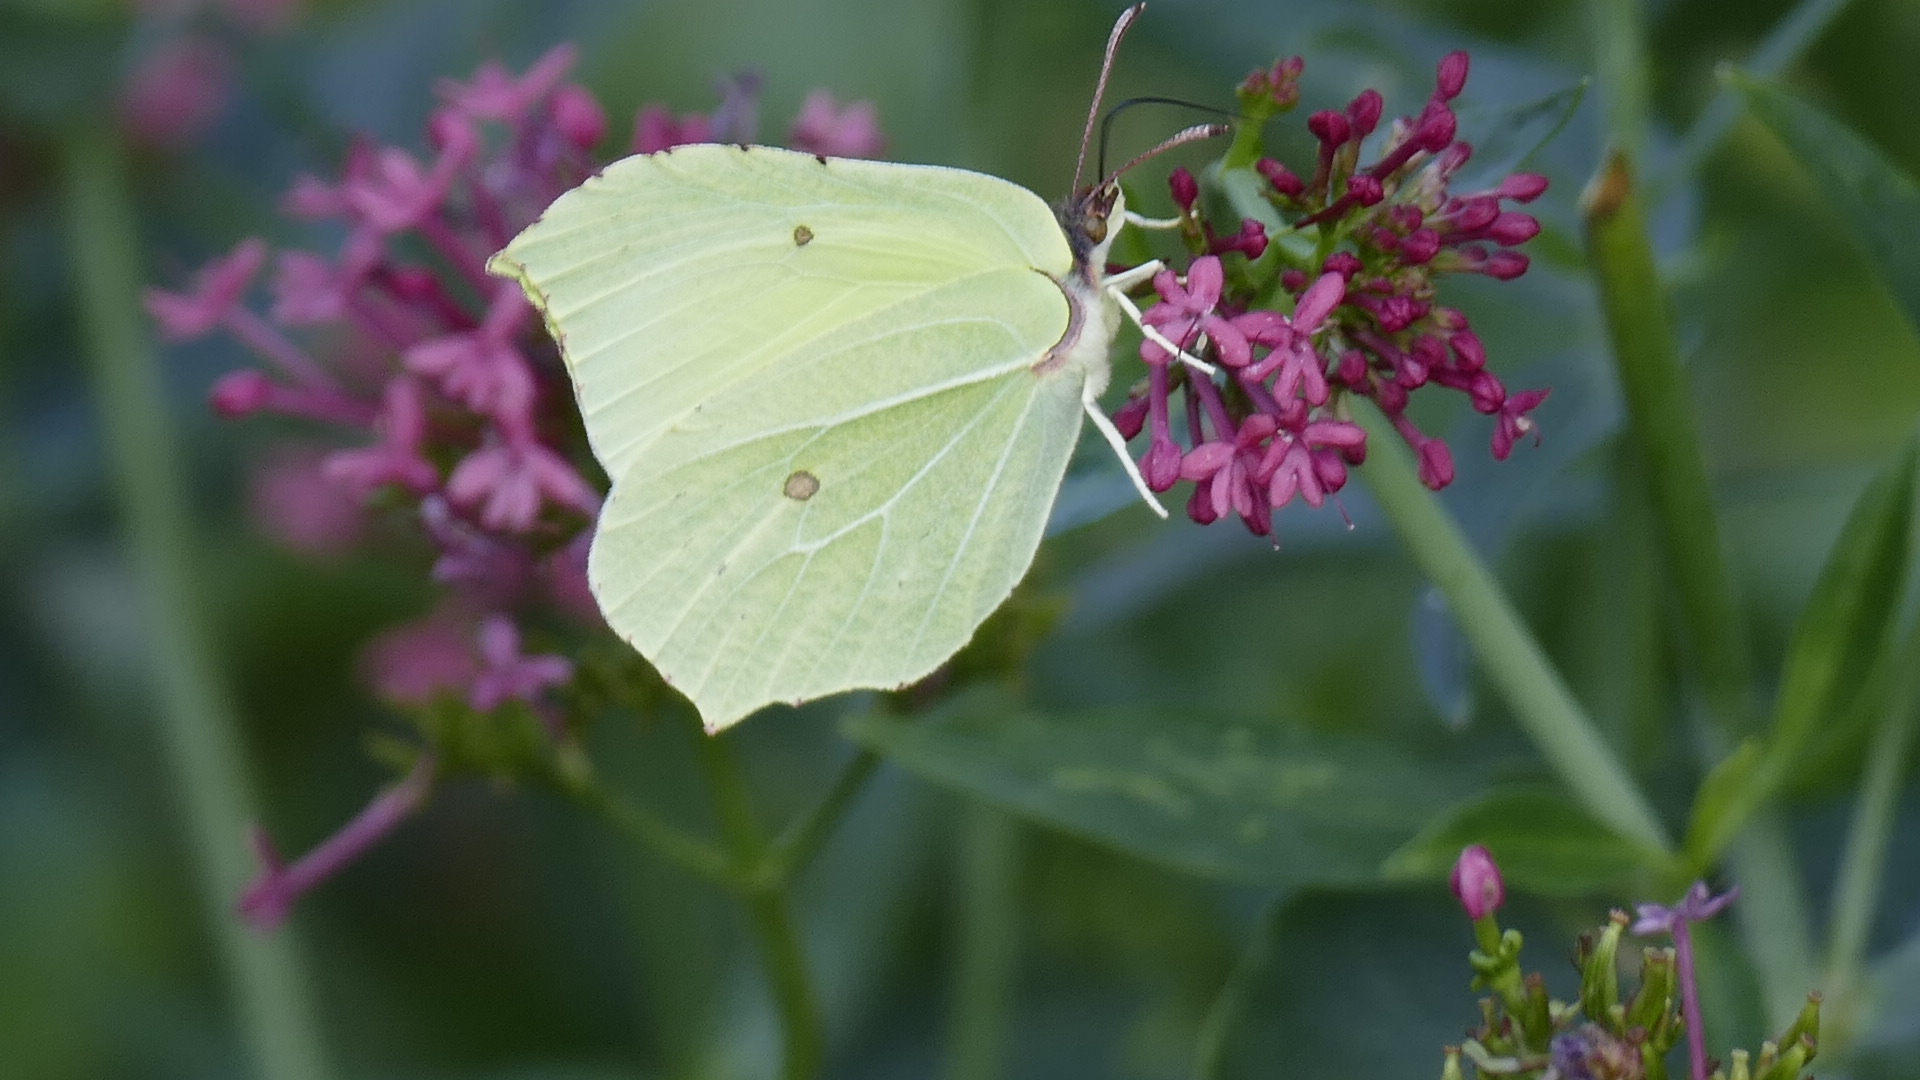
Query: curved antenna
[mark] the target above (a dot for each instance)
(1178, 138)
(1119, 31)
(1106, 122)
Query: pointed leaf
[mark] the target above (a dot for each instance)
(1241, 799)
(1506, 139)
(1543, 843)
(1878, 202)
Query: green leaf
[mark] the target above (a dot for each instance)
(1878, 202)
(1846, 626)
(1848, 619)
(1245, 800)
(1506, 139)
(1543, 843)
(1721, 803)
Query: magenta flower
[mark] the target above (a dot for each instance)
(395, 458)
(483, 369)
(824, 126)
(217, 291)
(510, 482)
(495, 93)
(508, 675)
(1188, 309)
(1368, 242)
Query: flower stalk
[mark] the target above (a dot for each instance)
(199, 725)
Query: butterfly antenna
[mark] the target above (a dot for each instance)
(1106, 122)
(1119, 31)
(1178, 138)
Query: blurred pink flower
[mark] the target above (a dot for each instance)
(411, 664)
(176, 91)
(507, 674)
(291, 499)
(655, 129)
(824, 126)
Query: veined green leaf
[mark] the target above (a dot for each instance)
(1245, 800)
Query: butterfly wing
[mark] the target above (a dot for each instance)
(813, 385)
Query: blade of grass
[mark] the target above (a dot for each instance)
(1856, 887)
(986, 970)
(198, 726)
(1789, 40)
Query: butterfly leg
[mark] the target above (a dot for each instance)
(1139, 222)
(1119, 444)
(1116, 286)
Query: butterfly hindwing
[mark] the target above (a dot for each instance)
(817, 559)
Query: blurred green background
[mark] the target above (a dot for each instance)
(503, 935)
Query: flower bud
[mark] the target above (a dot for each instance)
(1330, 127)
(1476, 877)
(1452, 76)
(1436, 472)
(1513, 227)
(1281, 177)
(1506, 265)
(1364, 112)
(1186, 190)
(1522, 187)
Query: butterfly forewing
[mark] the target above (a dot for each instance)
(813, 387)
(672, 277)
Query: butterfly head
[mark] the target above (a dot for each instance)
(1092, 219)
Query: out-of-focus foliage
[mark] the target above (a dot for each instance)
(503, 934)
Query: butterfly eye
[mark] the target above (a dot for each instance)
(1095, 228)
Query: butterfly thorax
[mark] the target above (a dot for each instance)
(1090, 221)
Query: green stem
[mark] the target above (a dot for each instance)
(802, 1030)
(669, 842)
(987, 968)
(1620, 56)
(1663, 430)
(1857, 885)
(197, 718)
(802, 840)
(1512, 659)
(1666, 436)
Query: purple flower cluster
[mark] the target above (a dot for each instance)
(454, 404)
(1357, 263)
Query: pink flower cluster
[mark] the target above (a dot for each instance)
(453, 401)
(1364, 317)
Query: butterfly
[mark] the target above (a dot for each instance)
(836, 399)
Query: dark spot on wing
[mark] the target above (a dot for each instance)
(821, 158)
(802, 236)
(801, 486)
